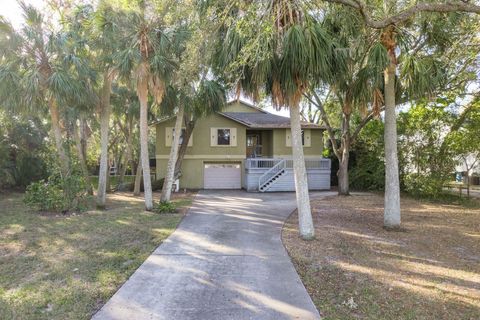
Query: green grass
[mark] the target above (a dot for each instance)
(66, 267)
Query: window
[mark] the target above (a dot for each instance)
(306, 138)
(181, 136)
(170, 134)
(223, 137)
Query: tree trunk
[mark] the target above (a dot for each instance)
(343, 182)
(128, 152)
(138, 179)
(170, 174)
(57, 135)
(142, 92)
(83, 143)
(108, 178)
(305, 222)
(189, 126)
(392, 214)
(104, 130)
(468, 184)
(81, 159)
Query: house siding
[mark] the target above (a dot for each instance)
(193, 171)
(201, 139)
(201, 151)
(280, 149)
(240, 107)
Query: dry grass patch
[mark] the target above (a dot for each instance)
(67, 266)
(355, 269)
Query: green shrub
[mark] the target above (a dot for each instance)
(368, 174)
(57, 195)
(429, 186)
(367, 168)
(165, 207)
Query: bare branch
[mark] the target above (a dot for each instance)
(362, 124)
(318, 103)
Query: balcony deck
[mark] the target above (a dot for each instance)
(276, 174)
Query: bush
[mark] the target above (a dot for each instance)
(367, 168)
(165, 207)
(430, 186)
(57, 195)
(369, 177)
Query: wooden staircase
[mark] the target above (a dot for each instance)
(271, 176)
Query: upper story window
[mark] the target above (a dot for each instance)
(180, 141)
(306, 138)
(223, 137)
(170, 135)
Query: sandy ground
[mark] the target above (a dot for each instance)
(355, 269)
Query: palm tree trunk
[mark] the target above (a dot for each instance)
(57, 135)
(170, 175)
(81, 158)
(301, 184)
(138, 179)
(189, 126)
(104, 130)
(128, 154)
(392, 214)
(108, 183)
(343, 182)
(142, 92)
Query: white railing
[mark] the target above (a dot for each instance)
(312, 164)
(261, 163)
(272, 172)
(267, 163)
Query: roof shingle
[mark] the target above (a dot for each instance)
(265, 120)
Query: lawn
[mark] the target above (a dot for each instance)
(66, 267)
(355, 269)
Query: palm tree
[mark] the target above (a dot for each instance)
(37, 68)
(194, 101)
(148, 59)
(126, 110)
(394, 16)
(277, 48)
(357, 87)
(101, 30)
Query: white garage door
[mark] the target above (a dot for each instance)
(222, 176)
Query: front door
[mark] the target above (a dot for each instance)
(254, 145)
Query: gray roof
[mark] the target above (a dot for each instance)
(264, 120)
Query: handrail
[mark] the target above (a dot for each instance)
(260, 163)
(312, 164)
(270, 173)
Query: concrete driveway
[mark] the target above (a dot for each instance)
(226, 260)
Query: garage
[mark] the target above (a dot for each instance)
(222, 176)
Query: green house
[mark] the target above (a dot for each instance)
(244, 147)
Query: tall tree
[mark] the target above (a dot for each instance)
(197, 100)
(37, 70)
(149, 59)
(194, 92)
(103, 35)
(357, 88)
(277, 48)
(388, 18)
